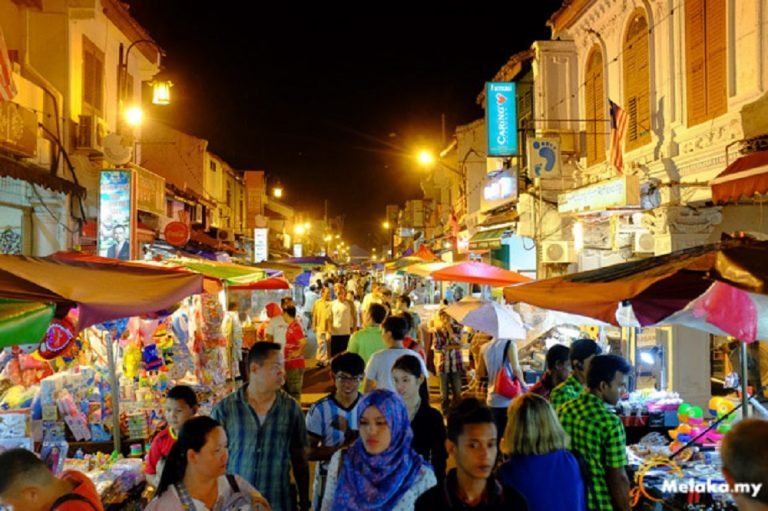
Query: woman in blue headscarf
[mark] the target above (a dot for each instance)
(380, 471)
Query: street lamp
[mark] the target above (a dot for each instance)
(161, 89)
(277, 190)
(134, 116)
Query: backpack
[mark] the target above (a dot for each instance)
(70, 497)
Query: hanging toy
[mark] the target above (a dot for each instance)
(132, 360)
(59, 338)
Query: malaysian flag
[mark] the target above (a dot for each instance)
(7, 87)
(619, 119)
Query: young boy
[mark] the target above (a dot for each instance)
(27, 484)
(332, 421)
(180, 405)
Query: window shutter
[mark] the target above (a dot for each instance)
(717, 86)
(594, 109)
(637, 80)
(695, 52)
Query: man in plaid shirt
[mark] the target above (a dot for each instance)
(266, 430)
(581, 353)
(597, 433)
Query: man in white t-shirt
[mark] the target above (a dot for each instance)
(277, 327)
(344, 323)
(378, 372)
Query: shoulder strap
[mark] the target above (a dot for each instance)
(233, 483)
(71, 496)
(506, 350)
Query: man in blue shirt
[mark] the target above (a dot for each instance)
(266, 430)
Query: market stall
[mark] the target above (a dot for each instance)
(716, 288)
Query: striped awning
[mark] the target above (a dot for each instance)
(744, 178)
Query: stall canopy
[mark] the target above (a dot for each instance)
(479, 273)
(23, 322)
(270, 283)
(425, 254)
(229, 273)
(311, 261)
(744, 178)
(289, 271)
(101, 293)
(718, 288)
(210, 284)
(425, 269)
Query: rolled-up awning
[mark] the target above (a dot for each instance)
(487, 239)
(39, 176)
(744, 178)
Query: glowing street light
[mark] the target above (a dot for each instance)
(134, 116)
(426, 158)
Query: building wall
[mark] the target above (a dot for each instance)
(178, 157)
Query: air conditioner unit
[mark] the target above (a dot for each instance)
(557, 252)
(643, 243)
(91, 131)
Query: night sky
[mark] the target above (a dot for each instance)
(331, 105)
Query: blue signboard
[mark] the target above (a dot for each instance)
(501, 118)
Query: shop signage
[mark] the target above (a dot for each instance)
(297, 250)
(116, 213)
(18, 129)
(499, 190)
(620, 192)
(177, 233)
(150, 191)
(260, 244)
(544, 156)
(501, 118)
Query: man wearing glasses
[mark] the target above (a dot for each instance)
(332, 421)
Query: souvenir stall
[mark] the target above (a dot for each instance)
(60, 396)
(716, 288)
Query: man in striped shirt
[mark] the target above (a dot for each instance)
(449, 363)
(266, 430)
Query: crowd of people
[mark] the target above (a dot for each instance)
(377, 442)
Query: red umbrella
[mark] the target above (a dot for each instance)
(266, 284)
(479, 273)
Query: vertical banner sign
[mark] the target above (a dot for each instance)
(116, 204)
(501, 118)
(260, 244)
(297, 250)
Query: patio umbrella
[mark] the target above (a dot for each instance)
(495, 319)
(479, 273)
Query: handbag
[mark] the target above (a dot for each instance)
(506, 383)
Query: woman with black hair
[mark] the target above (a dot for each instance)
(426, 422)
(195, 478)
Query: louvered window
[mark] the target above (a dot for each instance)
(93, 77)
(705, 53)
(637, 80)
(596, 125)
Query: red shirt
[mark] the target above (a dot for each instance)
(293, 335)
(83, 487)
(543, 387)
(161, 448)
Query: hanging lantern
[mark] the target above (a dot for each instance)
(161, 92)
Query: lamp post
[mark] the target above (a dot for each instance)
(161, 89)
(388, 226)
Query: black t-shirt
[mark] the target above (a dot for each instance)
(429, 438)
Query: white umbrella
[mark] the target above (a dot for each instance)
(495, 319)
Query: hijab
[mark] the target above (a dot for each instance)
(379, 481)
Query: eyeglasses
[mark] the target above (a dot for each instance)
(348, 377)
